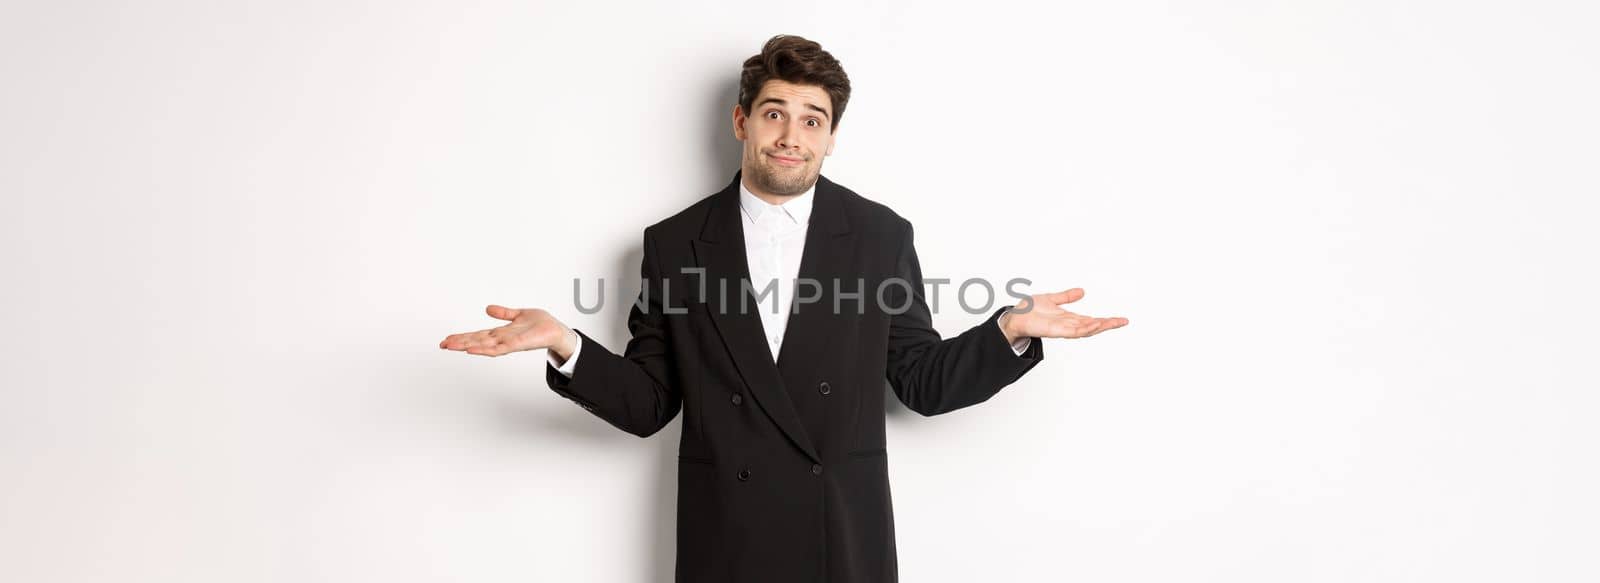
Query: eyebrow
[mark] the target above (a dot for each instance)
(824, 112)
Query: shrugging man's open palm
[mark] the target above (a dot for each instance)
(1044, 318)
(529, 329)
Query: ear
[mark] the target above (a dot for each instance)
(832, 138)
(738, 122)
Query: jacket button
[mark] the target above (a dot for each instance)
(744, 475)
(824, 388)
(816, 469)
(737, 398)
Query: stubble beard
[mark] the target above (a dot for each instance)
(783, 181)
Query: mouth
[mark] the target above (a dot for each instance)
(787, 161)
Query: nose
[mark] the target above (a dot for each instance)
(789, 138)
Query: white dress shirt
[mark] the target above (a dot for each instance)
(774, 237)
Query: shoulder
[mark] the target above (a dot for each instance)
(685, 223)
(870, 216)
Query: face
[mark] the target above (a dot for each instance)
(785, 137)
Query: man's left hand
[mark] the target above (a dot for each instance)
(1046, 319)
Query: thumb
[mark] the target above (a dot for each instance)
(1065, 297)
(502, 312)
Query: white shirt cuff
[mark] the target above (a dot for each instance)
(567, 367)
(1019, 346)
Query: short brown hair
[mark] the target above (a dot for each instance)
(794, 59)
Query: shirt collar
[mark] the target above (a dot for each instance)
(797, 209)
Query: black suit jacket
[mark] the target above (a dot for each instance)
(783, 473)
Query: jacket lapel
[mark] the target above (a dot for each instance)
(829, 256)
(720, 250)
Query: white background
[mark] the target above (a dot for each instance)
(1353, 239)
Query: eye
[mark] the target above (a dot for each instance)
(772, 113)
(813, 122)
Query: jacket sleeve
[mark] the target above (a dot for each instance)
(635, 391)
(933, 376)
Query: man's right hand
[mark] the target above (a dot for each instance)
(529, 329)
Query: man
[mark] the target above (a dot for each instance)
(783, 473)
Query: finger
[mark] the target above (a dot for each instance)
(1065, 297)
(502, 312)
(452, 342)
(489, 350)
(495, 349)
(1077, 328)
(1110, 324)
(468, 340)
(505, 335)
(1069, 318)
